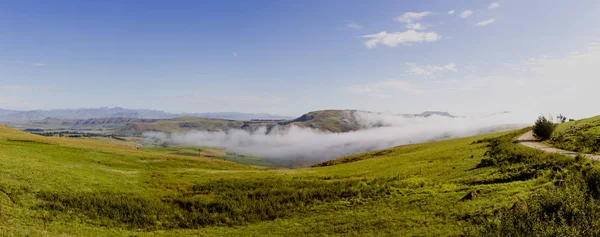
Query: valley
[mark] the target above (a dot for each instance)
(123, 190)
(273, 143)
(299, 118)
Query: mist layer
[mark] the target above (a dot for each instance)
(297, 146)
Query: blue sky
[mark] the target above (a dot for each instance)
(290, 57)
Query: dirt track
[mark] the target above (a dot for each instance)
(528, 140)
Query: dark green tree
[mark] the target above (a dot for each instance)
(543, 128)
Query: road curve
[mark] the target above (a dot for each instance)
(529, 140)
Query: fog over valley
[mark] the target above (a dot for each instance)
(303, 146)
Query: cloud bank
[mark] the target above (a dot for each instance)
(400, 38)
(296, 146)
(486, 22)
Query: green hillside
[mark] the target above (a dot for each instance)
(327, 120)
(210, 153)
(180, 125)
(68, 187)
(580, 136)
(78, 124)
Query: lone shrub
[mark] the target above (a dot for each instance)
(543, 128)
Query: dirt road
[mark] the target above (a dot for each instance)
(528, 140)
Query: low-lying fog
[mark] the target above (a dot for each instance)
(296, 146)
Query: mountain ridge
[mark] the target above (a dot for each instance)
(119, 112)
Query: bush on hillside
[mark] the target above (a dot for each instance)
(561, 118)
(543, 128)
(568, 204)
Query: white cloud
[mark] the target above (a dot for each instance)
(234, 54)
(415, 26)
(354, 25)
(430, 70)
(451, 12)
(306, 146)
(466, 13)
(402, 38)
(486, 22)
(494, 5)
(409, 17)
(540, 85)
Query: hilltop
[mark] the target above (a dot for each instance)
(348, 120)
(179, 125)
(337, 121)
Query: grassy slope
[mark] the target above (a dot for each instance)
(410, 190)
(72, 124)
(328, 120)
(209, 153)
(181, 125)
(570, 135)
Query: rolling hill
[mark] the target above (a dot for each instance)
(182, 124)
(78, 124)
(579, 136)
(325, 120)
(336, 121)
(59, 186)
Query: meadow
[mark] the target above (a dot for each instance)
(580, 135)
(205, 152)
(68, 187)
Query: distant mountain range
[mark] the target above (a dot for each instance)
(131, 122)
(117, 112)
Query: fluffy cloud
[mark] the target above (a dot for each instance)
(410, 17)
(429, 70)
(415, 26)
(486, 22)
(466, 13)
(451, 12)
(400, 38)
(414, 34)
(305, 146)
(494, 5)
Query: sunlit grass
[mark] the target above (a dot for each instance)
(57, 186)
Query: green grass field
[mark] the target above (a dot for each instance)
(68, 187)
(210, 153)
(580, 136)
